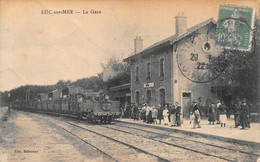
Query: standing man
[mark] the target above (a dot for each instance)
(125, 110)
(160, 113)
(178, 114)
(244, 117)
(135, 111)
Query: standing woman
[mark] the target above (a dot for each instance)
(154, 115)
(196, 114)
(217, 111)
(165, 116)
(237, 111)
(212, 115)
(149, 115)
(222, 114)
(172, 115)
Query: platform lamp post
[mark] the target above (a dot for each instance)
(9, 95)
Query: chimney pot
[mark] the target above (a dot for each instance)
(180, 23)
(138, 44)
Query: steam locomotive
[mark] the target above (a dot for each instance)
(95, 107)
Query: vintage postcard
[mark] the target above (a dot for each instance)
(122, 80)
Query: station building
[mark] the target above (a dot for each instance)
(156, 77)
(121, 93)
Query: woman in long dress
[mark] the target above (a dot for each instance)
(222, 114)
(165, 116)
(212, 115)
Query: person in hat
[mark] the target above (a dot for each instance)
(244, 117)
(160, 113)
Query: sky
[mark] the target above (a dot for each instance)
(41, 49)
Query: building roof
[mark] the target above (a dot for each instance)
(172, 39)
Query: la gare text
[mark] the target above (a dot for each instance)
(70, 12)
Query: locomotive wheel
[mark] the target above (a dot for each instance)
(109, 121)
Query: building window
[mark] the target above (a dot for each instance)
(162, 67)
(148, 75)
(137, 74)
(137, 97)
(148, 96)
(162, 97)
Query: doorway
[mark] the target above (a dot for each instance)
(186, 104)
(162, 97)
(148, 96)
(137, 97)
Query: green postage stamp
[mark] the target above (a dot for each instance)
(235, 27)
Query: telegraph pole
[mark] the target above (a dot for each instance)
(9, 95)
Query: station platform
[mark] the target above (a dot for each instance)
(229, 133)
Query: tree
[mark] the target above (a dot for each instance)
(115, 72)
(241, 75)
(94, 83)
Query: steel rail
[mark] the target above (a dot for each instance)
(115, 140)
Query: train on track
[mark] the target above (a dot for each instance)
(95, 107)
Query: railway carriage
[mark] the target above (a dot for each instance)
(64, 106)
(93, 106)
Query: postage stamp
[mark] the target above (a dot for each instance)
(235, 27)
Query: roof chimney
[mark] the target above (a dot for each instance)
(138, 42)
(181, 24)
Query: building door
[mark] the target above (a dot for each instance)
(137, 97)
(162, 97)
(148, 96)
(186, 104)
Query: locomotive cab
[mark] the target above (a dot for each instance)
(97, 107)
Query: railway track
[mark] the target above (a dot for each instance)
(211, 150)
(148, 149)
(115, 149)
(136, 142)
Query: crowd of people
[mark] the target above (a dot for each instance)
(170, 114)
(218, 114)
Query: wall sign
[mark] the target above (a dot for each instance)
(149, 85)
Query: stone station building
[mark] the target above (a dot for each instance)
(158, 74)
